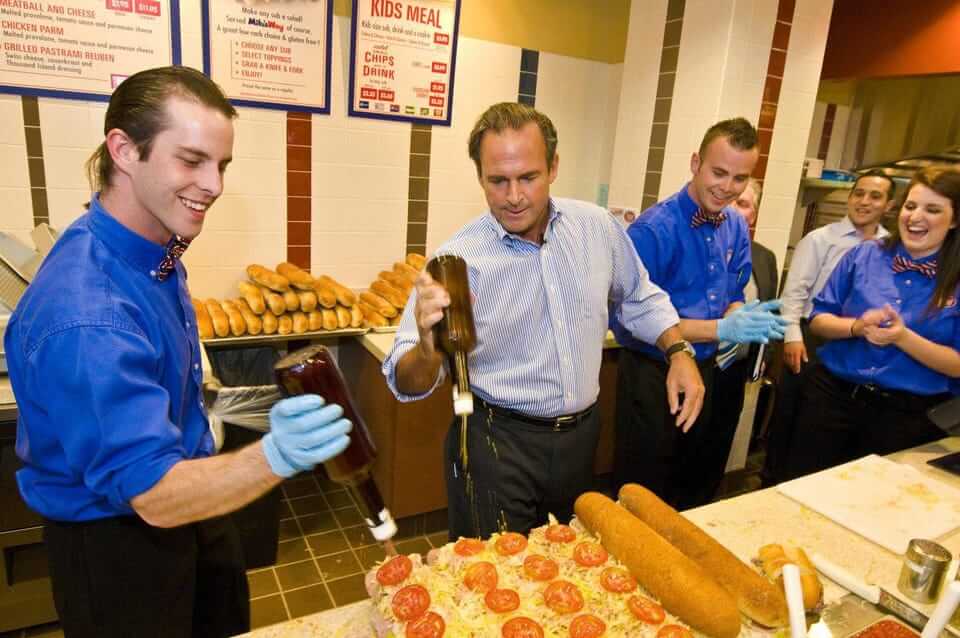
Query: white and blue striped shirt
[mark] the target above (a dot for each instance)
(541, 311)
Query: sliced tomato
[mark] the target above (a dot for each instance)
(395, 570)
(589, 554)
(587, 626)
(537, 567)
(511, 543)
(411, 602)
(468, 547)
(563, 597)
(481, 577)
(521, 627)
(617, 580)
(674, 631)
(429, 625)
(646, 610)
(501, 601)
(560, 534)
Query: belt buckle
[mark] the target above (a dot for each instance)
(865, 387)
(560, 421)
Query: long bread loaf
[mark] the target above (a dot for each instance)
(757, 598)
(683, 587)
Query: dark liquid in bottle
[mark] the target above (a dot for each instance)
(455, 332)
(312, 370)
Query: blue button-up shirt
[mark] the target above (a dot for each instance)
(541, 311)
(864, 279)
(105, 365)
(703, 269)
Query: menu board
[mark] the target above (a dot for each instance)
(402, 59)
(273, 55)
(81, 49)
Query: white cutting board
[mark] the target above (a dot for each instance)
(883, 501)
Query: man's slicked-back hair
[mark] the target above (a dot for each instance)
(738, 132)
(511, 115)
(138, 107)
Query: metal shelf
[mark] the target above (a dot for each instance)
(261, 340)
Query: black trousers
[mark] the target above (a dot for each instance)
(834, 427)
(729, 390)
(119, 577)
(649, 448)
(517, 473)
(783, 421)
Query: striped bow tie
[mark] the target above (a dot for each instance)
(702, 217)
(927, 269)
(175, 248)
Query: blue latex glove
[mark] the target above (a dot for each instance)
(753, 323)
(304, 433)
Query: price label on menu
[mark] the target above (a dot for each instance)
(80, 49)
(403, 56)
(270, 54)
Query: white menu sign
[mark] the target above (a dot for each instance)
(270, 54)
(403, 57)
(81, 49)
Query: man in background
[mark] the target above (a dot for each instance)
(737, 363)
(814, 258)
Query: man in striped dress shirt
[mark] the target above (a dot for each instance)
(545, 273)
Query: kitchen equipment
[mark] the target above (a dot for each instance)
(943, 611)
(924, 567)
(794, 593)
(871, 593)
(886, 502)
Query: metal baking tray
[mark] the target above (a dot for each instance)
(262, 339)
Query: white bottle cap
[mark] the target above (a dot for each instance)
(462, 402)
(386, 529)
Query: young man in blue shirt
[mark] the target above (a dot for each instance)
(104, 361)
(698, 251)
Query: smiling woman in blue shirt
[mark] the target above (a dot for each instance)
(890, 313)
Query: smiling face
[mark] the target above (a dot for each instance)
(924, 221)
(173, 188)
(868, 201)
(516, 179)
(721, 174)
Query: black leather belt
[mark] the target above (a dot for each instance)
(907, 401)
(556, 423)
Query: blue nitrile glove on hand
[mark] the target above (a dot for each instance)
(752, 323)
(304, 433)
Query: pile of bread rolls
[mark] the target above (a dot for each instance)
(289, 300)
(694, 577)
(382, 305)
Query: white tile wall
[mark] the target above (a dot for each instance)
(638, 92)
(792, 130)
(575, 94)
(17, 218)
(487, 73)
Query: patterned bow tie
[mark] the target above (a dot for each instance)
(702, 217)
(927, 269)
(175, 248)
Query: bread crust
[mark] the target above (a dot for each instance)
(682, 587)
(265, 277)
(298, 277)
(773, 557)
(345, 296)
(379, 304)
(204, 323)
(756, 597)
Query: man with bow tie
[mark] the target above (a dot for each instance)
(104, 361)
(698, 251)
(814, 258)
(888, 314)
